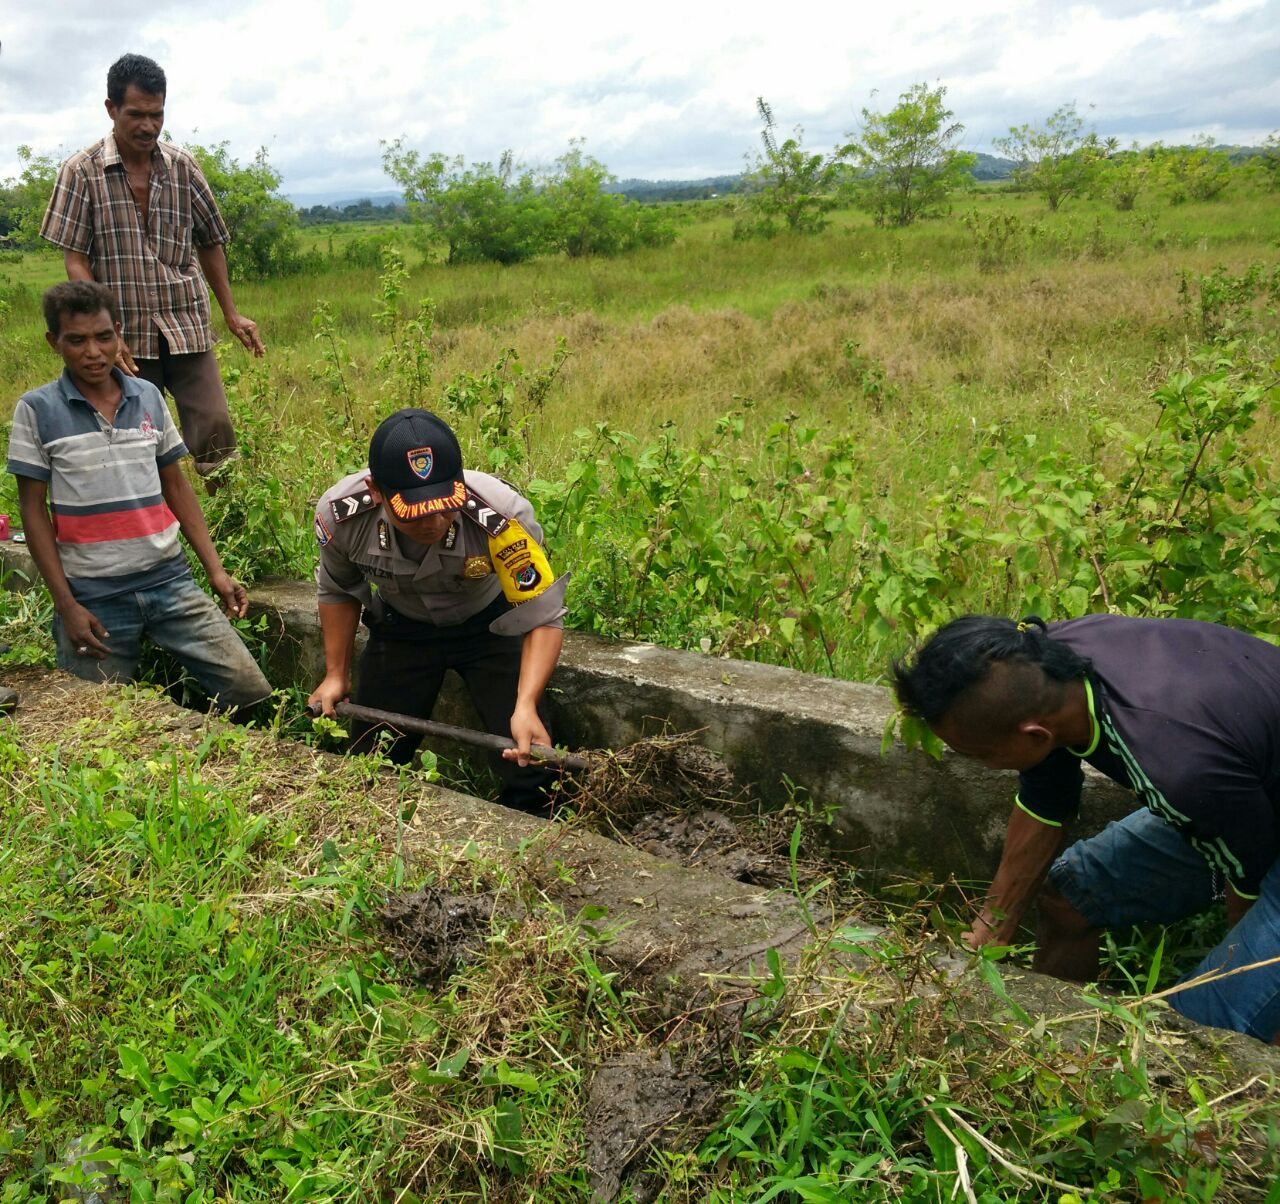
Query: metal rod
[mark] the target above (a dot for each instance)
(430, 727)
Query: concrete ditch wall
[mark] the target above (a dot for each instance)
(901, 813)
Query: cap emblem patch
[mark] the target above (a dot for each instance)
(421, 462)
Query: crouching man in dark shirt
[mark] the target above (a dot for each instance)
(1184, 714)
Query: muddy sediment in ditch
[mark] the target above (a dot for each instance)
(636, 1103)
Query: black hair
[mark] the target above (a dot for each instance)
(77, 297)
(143, 73)
(961, 655)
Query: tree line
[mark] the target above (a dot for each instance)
(902, 165)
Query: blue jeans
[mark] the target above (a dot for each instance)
(1141, 870)
(181, 618)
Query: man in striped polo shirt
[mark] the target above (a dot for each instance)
(1187, 716)
(102, 496)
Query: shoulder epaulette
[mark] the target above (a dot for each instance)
(354, 503)
(492, 522)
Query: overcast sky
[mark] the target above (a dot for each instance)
(659, 89)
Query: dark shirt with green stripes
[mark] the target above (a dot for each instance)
(1187, 715)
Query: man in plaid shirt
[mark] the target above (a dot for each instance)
(137, 215)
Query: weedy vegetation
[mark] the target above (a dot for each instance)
(202, 1004)
(808, 450)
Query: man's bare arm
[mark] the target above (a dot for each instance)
(339, 622)
(181, 499)
(77, 265)
(213, 262)
(538, 657)
(80, 624)
(1237, 905)
(1029, 849)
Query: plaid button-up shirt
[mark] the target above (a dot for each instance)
(151, 268)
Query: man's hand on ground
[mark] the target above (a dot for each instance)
(246, 330)
(326, 696)
(984, 931)
(235, 599)
(527, 729)
(85, 632)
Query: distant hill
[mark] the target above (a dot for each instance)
(676, 190)
(340, 199)
(1239, 154)
(991, 167)
(988, 167)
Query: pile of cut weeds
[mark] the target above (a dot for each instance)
(674, 799)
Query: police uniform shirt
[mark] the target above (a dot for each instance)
(1188, 717)
(363, 558)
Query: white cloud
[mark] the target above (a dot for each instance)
(665, 91)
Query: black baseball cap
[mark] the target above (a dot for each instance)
(416, 463)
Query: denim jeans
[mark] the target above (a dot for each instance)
(1141, 870)
(181, 618)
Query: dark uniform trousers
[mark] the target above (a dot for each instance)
(403, 667)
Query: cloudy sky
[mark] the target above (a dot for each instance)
(659, 89)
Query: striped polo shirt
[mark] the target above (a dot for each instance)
(114, 532)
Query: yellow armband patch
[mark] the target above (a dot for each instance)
(518, 559)
(521, 563)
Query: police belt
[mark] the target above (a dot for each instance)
(392, 625)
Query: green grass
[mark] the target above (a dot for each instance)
(198, 989)
(897, 359)
(195, 978)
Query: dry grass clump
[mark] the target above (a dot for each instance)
(658, 774)
(674, 799)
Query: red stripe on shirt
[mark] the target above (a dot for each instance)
(119, 524)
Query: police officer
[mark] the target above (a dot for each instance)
(447, 567)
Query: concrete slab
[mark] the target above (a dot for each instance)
(779, 732)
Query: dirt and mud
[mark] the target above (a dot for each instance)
(674, 799)
(636, 1103)
(433, 933)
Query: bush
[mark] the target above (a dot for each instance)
(24, 200)
(586, 220)
(788, 186)
(263, 225)
(907, 154)
(509, 213)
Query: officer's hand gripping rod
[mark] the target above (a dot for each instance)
(429, 727)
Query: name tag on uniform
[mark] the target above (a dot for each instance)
(476, 567)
